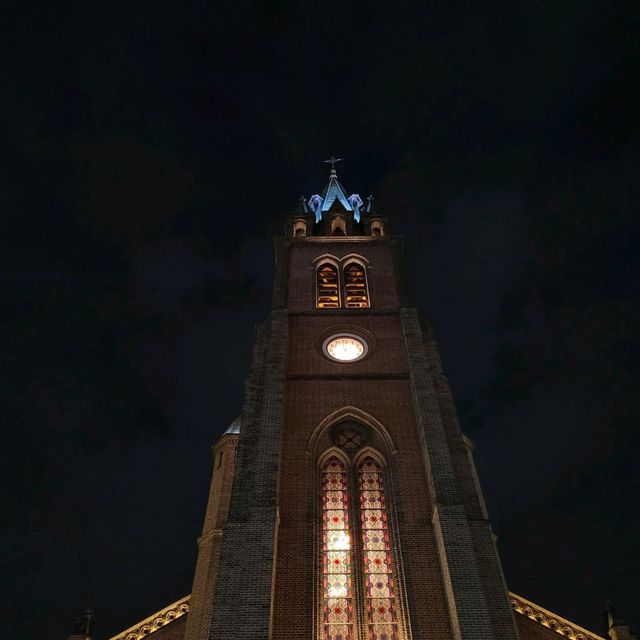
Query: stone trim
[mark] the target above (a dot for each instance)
(156, 621)
(552, 621)
(521, 605)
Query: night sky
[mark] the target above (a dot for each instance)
(150, 152)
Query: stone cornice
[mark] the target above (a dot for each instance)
(156, 621)
(552, 621)
(521, 605)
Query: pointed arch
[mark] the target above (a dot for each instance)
(356, 257)
(338, 226)
(359, 561)
(327, 285)
(380, 593)
(356, 289)
(337, 582)
(343, 414)
(334, 452)
(369, 452)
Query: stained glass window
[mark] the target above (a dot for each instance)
(380, 597)
(337, 597)
(328, 294)
(355, 286)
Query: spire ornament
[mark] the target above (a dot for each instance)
(332, 161)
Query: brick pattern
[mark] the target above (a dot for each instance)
(307, 403)
(259, 563)
(210, 543)
(381, 274)
(448, 574)
(475, 590)
(242, 600)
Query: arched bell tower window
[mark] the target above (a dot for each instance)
(327, 287)
(355, 286)
(338, 226)
(299, 229)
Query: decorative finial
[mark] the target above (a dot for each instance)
(370, 200)
(332, 161)
(303, 203)
(84, 624)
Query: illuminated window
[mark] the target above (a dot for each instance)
(327, 287)
(355, 286)
(381, 607)
(342, 619)
(337, 596)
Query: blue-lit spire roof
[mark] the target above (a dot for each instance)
(234, 427)
(333, 192)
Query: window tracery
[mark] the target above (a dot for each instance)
(337, 594)
(345, 287)
(372, 577)
(382, 618)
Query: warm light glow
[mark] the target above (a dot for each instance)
(340, 542)
(337, 592)
(337, 609)
(345, 348)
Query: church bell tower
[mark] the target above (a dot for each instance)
(345, 503)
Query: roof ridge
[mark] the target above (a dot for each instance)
(155, 621)
(551, 620)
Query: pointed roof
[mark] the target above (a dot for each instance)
(301, 209)
(234, 427)
(334, 191)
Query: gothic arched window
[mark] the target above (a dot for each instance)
(380, 596)
(327, 287)
(369, 581)
(337, 596)
(355, 286)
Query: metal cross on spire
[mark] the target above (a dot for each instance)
(332, 161)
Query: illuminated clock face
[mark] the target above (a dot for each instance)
(345, 348)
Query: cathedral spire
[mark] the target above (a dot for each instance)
(83, 626)
(335, 195)
(616, 627)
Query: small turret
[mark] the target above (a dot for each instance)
(83, 627)
(334, 213)
(616, 627)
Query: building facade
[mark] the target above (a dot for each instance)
(344, 502)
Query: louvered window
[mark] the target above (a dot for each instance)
(355, 286)
(328, 290)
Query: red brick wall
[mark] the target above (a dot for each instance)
(207, 564)
(307, 332)
(381, 275)
(389, 401)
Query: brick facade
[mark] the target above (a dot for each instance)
(210, 543)
(447, 571)
(259, 563)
